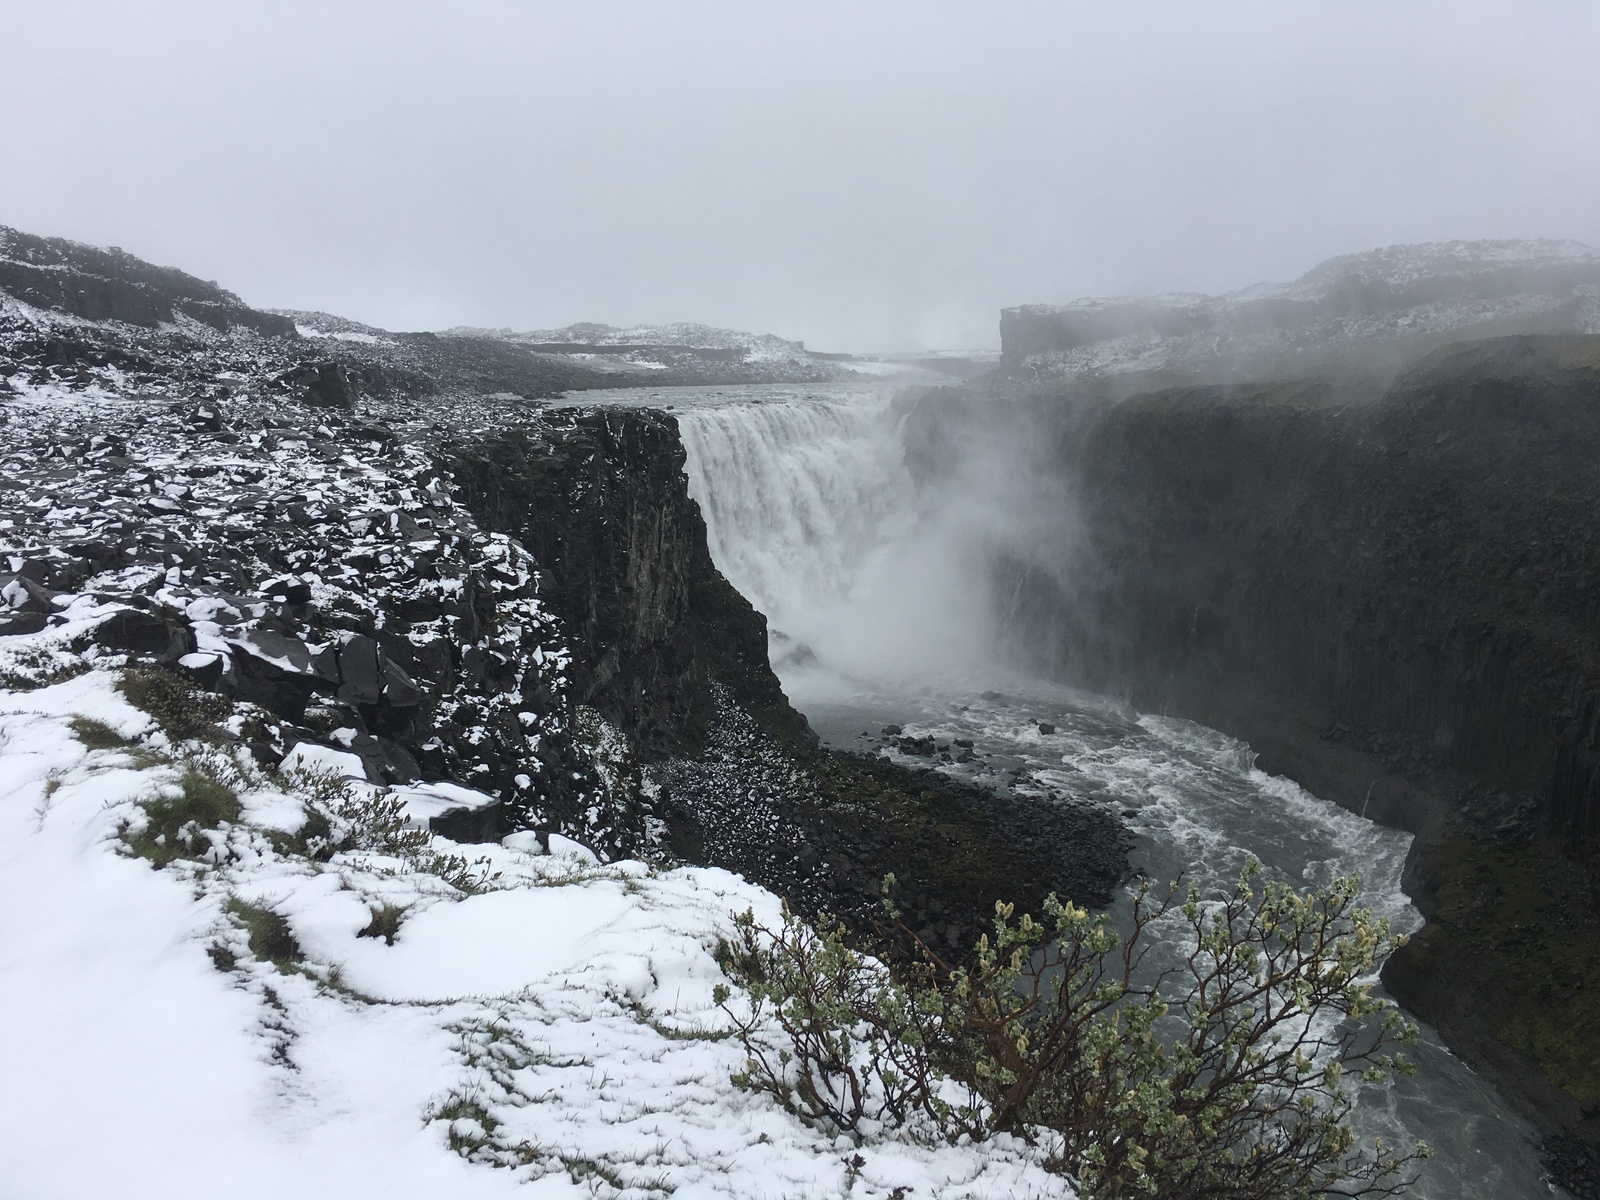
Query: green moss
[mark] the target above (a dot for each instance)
(182, 711)
(97, 735)
(176, 824)
(932, 836)
(385, 923)
(313, 840)
(1536, 954)
(270, 938)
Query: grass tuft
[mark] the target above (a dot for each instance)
(270, 937)
(222, 958)
(182, 711)
(177, 824)
(385, 923)
(97, 735)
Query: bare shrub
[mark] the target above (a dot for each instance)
(1225, 1078)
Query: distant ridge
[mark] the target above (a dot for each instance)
(1374, 310)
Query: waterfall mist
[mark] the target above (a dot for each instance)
(867, 573)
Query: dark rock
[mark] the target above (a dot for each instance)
(919, 746)
(287, 591)
(321, 384)
(20, 593)
(137, 631)
(1574, 1164)
(22, 622)
(289, 652)
(360, 676)
(892, 731)
(398, 688)
(264, 682)
(470, 825)
(206, 674)
(385, 761)
(433, 660)
(1046, 728)
(325, 665)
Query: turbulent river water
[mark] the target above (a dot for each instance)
(877, 596)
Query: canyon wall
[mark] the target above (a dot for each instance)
(1413, 563)
(1392, 592)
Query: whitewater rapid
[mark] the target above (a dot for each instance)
(877, 599)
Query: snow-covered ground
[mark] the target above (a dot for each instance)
(541, 1024)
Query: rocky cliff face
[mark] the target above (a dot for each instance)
(1393, 593)
(599, 500)
(1418, 562)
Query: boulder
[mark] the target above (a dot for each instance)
(267, 673)
(22, 593)
(22, 622)
(321, 384)
(136, 631)
(385, 761)
(360, 674)
(470, 825)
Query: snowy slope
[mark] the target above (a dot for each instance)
(668, 345)
(542, 1020)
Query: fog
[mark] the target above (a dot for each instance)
(882, 176)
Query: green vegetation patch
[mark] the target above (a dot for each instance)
(1498, 924)
(97, 735)
(182, 710)
(936, 838)
(177, 824)
(39, 667)
(314, 839)
(385, 923)
(271, 939)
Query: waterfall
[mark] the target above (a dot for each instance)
(813, 516)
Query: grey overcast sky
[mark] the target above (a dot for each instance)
(862, 175)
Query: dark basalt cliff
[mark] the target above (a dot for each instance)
(1393, 593)
(665, 649)
(598, 499)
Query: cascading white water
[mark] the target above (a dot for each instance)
(796, 496)
(813, 516)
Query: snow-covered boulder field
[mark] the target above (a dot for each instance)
(221, 980)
